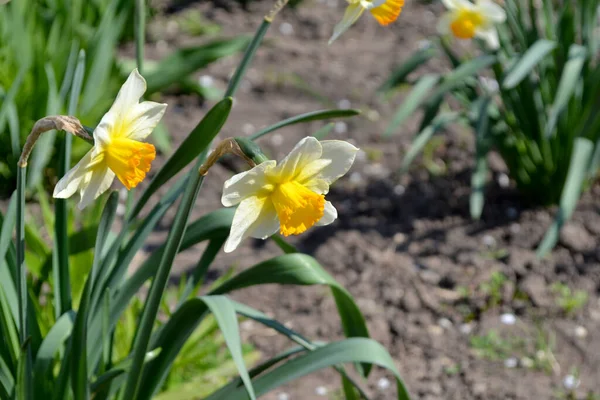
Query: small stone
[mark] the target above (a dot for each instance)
(356, 178)
(121, 209)
(511, 362)
(206, 81)
(286, 29)
(340, 128)
(283, 396)
(435, 330)
(361, 155)
(515, 228)
(570, 382)
(344, 104)
(574, 236)
(489, 241)
(508, 319)
(423, 44)
(383, 384)
(248, 128)
(399, 238)
(411, 301)
(373, 115)
(430, 276)
(445, 323)
(321, 391)
(399, 190)
(527, 362)
(580, 332)
(534, 286)
(503, 179)
(466, 329)
(276, 139)
(479, 389)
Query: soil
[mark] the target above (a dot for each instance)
(404, 245)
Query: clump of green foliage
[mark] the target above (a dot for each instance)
(535, 101)
(570, 301)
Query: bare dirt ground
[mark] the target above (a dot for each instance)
(432, 283)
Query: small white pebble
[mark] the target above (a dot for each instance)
(508, 319)
(384, 384)
(503, 180)
(511, 362)
(466, 329)
(276, 139)
(423, 44)
(399, 190)
(399, 238)
(361, 155)
(340, 127)
(121, 210)
(286, 29)
(283, 396)
(541, 355)
(491, 85)
(527, 362)
(344, 104)
(571, 382)
(356, 178)
(321, 391)
(247, 325)
(580, 331)
(489, 241)
(515, 228)
(206, 81)
(248, 128)
(512, 213)
(445, 323)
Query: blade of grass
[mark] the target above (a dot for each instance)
(523, 67)
(479, 176)
(140, 33)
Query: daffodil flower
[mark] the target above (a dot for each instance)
(118, 148)
(466, 20)
(288, 197)
(384, 11)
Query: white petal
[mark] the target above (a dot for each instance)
(267, 224)
(99, 182)
(457, 4)
(70, 183)
(130, 94)
(306, 151)
(353, 12)
(490, 35)
(492, 11)
(443, 25)
(330, 215)
(247, 214)
(143, 119)
(336, 159)
(245, 184)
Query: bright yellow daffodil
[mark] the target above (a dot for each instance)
(288, 197)
(118, 148)
(384, 11)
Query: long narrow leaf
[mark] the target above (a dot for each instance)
(523, 67)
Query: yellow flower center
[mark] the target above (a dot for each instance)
(129, 159)
(298, 208)
(466, 23)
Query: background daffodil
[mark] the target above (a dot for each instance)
(384, 11)
(289, 196)
(118, 149)
(466, 20)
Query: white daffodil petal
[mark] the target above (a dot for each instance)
(490, 35)
(352, 14)
(247, 213)
(143, 118)
(341, 156)
(306, 151)
(130, 94)
(443, 25)
(69, 184)
(100, 180)
(492, 11)
(330, 215)
(267, 224)
(457, 4)
(246, 184)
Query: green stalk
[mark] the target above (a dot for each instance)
(160, 282)
(24, 374)
(140, 33)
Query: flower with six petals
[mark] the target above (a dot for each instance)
(118, 148)
(384, 11)
(288, 197)
(466, 20)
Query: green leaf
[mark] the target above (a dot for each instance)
(311, 116)
(7, 277)
(412, 102)
(580, 159)
(568, 83)
(197, 141)
(160, 137)
(52, 343)
(424, 136)
(184, 62)
(479, 176)
(349, 350)
(523, 67)
(400, 74)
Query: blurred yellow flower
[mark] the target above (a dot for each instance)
(118, 150)
(466, 20)
(289, 197)
(384, 11)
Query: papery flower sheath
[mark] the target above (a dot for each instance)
(384, 11)
(288, 197)
(466, 20)
(118, 148)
